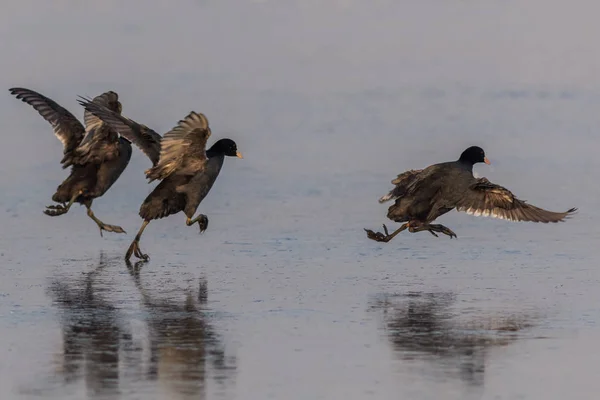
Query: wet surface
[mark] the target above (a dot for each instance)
(284, 296)
(421, 326)
(168, 345)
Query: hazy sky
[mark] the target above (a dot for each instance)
(315, 46)
(346, 84)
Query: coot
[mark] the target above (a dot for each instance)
(187, 170)
(96, 154)
(423, 195)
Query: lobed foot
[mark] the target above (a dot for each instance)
(110, 228)
(102, 225)
(134, 249)
(432, 229)
(378, 236)
(202, 222)
(56, 210)
(432, 232)
(442, 229)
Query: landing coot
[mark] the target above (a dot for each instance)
(186, 170)
(424, 195)
(96, 154)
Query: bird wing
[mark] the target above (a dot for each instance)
(105, 99)
(490, 200)
(183, 148)
(100, 142)
(146, 139)
(66, 127)
(403, 182)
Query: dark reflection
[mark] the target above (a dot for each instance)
(423, 326)
(184, 348)
(170, 347)
(91, 333)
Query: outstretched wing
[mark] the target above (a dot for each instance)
(183, 148)
(143, 137)
(490, 200)
(403, 183)
(66, 127)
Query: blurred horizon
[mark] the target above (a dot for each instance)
(328, 101)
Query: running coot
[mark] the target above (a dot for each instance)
(187, 170)
(96, 154)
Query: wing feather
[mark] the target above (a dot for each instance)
(146, 139)
(490, 200)
(183, 148)
(108, 99)
(100, 142)
(403, 183)
(66, 127)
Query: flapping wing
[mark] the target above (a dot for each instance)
(100, 142)
(490, 200)
(93, 124)
(66, 127)
(183, 148)
(403, 182)
(108, 99)
(143, 137)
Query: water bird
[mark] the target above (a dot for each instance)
(423, 195)
(96, 154)
(187, 170)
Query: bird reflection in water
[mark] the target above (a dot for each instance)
(421, 326)
(185, 351)
(92, 333)
(113, 350)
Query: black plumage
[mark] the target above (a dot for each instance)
(179, 160)
(421, 196)
(96, 154)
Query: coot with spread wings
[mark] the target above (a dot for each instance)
(187, 170)
(96, 154)
(423, 195)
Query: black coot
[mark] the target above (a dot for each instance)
(186, 170)
(96, 154)
(424, 195)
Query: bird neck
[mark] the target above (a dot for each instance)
(466, 164)
(215, 159)
(212, 152)
(215, 162)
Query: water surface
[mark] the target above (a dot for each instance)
(283, 296)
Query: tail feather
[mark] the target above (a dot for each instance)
(387, 197)
(402, 184)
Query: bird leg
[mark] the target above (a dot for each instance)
(102, 225)
(56, 210)
(134, 248)
(380, 237)
(202, 221)
(431, 228)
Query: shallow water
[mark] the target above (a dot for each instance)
(284, 296)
